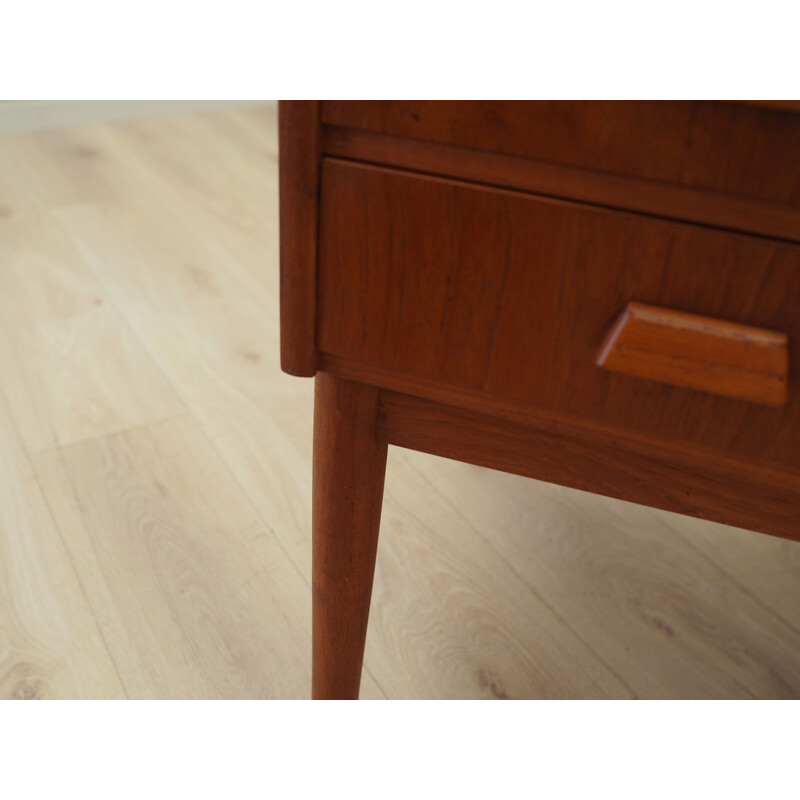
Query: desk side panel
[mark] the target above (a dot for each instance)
(299, 153)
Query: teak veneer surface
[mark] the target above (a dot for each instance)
(724, 147)
(536, 452)
(624, 192)
(349, 468)
(511, 296)
(299, 137)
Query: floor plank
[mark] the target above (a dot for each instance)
(766, 567)
(666, 619)
(71, 365)
(50, 645)
(216, 335)
(194, 596)
(450, 620)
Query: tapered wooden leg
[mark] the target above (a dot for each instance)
(349, 469)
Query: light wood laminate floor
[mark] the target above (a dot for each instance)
(155, 477)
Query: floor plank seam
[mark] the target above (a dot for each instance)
(107, 434)
(159, 366)
(525, 582)
(734, 580)
(179, 394)
(161, 369)
(66, 548)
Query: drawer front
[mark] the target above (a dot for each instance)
(514, 296)
(729, 148)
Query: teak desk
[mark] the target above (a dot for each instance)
(604, 295)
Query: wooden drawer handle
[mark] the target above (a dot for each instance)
(696, 352)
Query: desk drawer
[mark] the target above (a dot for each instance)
(731, 148)
(513, 295)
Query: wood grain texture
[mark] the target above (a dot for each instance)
(767, 572)
(668, 200)
(190, 257)
(670, 626)
(349, 469)
(450, 619)
(184, 243)
(193, 594)
(511, 296)
(50, 645)
(601, 437)
(75, 368)
(722, 147)
(299, 188)
(218, 342)
(489, 442)
(63, 166)
(783, 105)
(700, 353)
